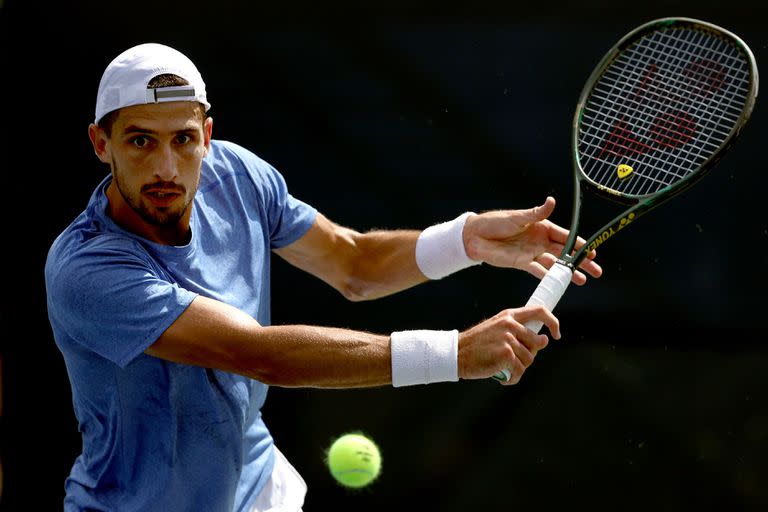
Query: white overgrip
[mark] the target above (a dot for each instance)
(548, 293)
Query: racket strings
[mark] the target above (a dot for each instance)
(663, 107)
(703, 76)
(670, 128)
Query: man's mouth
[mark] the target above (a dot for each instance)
(162, 197)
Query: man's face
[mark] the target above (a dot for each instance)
(155, 152)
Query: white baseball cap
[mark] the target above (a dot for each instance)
(124, 82)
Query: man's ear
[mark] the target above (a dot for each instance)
(100, 142)
(207, 132)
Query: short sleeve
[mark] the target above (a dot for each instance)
(112, 300)
(288, 218)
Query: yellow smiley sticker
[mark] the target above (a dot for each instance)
(623, 171)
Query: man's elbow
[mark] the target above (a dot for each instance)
(357, 290)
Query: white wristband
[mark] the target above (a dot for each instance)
(423, 357)
(440, 248)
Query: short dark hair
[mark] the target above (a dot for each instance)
(164, 80)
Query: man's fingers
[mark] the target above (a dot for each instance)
(521, 350)
(541, 212)
(516, 370)
(543, 315)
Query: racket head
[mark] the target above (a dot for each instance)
(658, 111)
(661, 107)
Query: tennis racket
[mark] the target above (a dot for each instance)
(659, 110)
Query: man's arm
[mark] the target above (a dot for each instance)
(370, 265)
(360, 266)
(213, 334)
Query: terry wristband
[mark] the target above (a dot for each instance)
(423, 357)
(440, 249)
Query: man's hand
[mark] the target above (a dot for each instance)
(523, 239)
(503, 342)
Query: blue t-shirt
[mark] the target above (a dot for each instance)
(159, 435)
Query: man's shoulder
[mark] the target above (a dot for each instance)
(228, 159)
(225, 148)
(224, 151)
(84, 247)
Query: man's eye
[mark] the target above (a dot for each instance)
(183, 139)
(140, 141)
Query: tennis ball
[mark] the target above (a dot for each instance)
(354, 460)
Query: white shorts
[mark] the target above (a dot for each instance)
(285, 490)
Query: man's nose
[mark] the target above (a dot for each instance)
(165, 166)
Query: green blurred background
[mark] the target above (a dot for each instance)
(402, 114)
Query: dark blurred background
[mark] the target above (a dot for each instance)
(403, 114)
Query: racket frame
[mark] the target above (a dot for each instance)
(640, 205)
(554, 283)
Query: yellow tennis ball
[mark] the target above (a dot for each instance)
(354, 460)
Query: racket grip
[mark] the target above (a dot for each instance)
(548, 293)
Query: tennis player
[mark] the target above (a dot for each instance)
(158, 296)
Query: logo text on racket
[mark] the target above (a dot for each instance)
(608, 233)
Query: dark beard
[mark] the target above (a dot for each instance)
(154, 217)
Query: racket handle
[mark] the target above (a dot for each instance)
(548, 294)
